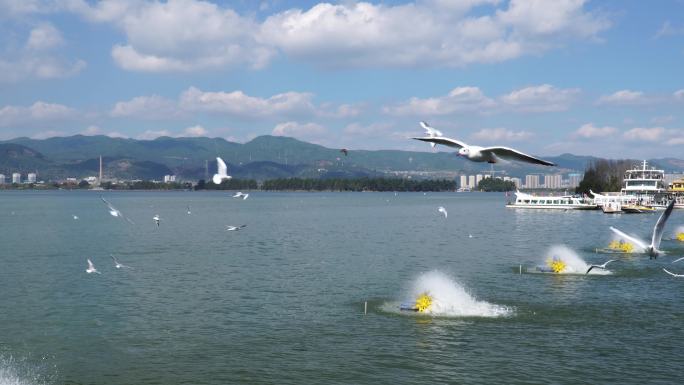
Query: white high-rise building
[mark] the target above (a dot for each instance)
(531, 181)
(464, 181)
(517, 182)
(471, 181)
(478, 179)
(2, 178)
(31, 177)
(553, 181)
(16, 177)
(574, 180)
(169, 178)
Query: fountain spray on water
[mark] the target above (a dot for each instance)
(450, 299)
(562, 260)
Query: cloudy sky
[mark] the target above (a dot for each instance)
(602, 78)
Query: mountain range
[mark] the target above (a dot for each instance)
(264, 157)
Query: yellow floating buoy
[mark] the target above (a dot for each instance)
(423, 302)
(625, 247)
(680, 237)
(556, 264)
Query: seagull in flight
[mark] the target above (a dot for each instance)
(431, 132)
(75, 217)
(189, 212)
(235, 228)
(442, 210)
(652, 249)
(117, 264)
(678, 259)
(478, 153)
(673, 274)
(222, 172)
(603, 266)
(156, 219)
(241, 194)
(91, 268)
(113, 211)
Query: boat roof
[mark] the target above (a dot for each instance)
(521, 194)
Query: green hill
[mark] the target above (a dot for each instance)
(264, 157)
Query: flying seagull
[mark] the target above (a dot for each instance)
(482, 154)
(678, 259)
(189, 212)
(235, 228)
(91, 268)
(156, 219)
(603, 266)
(442, 210)
(431, 132)
(241, 194)
(75, 217)
(673, 274)
(117, 264)
(652, 249)
(113, 211)
(222, 172)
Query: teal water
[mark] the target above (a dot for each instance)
(281, 301)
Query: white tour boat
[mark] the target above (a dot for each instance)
(565, 202)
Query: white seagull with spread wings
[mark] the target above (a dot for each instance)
(477, 153)
(431, 132)
(91, 268)
(113, 211)
(652, 249)
(222, 172)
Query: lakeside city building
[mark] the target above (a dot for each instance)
(532, 181)
(169, 178)
(31, 177)
(16, 177)
(2, 178)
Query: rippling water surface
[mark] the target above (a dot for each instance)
(282, 300)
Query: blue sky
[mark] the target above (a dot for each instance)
(599, 78)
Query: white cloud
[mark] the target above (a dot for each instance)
(39, 58)
(622, 98)
(543, 98)
(179, 35)
(590, 131)
(651, 134)
(38, 112)
(195, 131)
(306, 131)
(116, 134)
(679, 95)
(91, 130)
(490, 134)
(47, 134)
(675, 141)
(239, 104)
(667, 29)
(192, 35)
(152, 134)
(146, 107)
(426, 33)
(460, 99)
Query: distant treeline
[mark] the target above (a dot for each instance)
(604, 175)
(230, 184)
(358, 184)
(495, 184)
(142, 185)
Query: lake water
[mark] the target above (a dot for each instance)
(282, 300)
